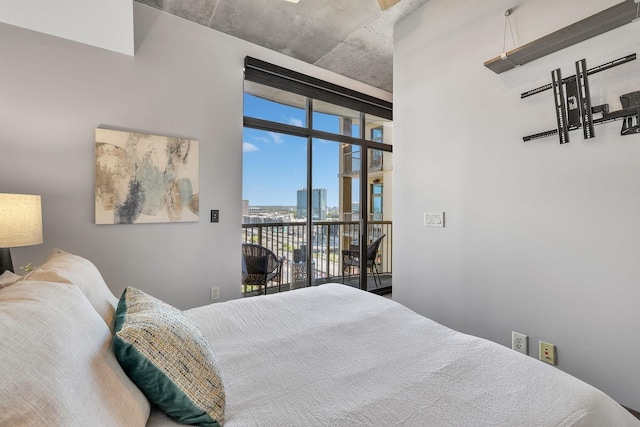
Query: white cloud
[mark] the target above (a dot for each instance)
(277, 138)
(248, 147)
(295, 122)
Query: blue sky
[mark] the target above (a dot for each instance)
(275, 165)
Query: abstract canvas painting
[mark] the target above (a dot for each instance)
(143, 178)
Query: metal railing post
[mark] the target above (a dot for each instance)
(272, 235)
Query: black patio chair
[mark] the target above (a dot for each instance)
(260, 266)
(351, 259)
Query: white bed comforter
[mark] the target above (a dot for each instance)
(337, 356)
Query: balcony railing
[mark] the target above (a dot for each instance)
(289, 239)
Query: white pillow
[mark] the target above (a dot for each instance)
(7, 278)
(58, 366)
(63, 267)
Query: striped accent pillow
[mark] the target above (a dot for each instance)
(167, 357)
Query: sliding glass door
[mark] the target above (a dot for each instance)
(316, 189)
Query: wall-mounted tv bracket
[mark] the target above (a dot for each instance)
(573, 108)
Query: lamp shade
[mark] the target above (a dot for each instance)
(20, 220)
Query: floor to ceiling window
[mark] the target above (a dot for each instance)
(310, 195)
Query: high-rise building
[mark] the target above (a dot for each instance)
(318, 204)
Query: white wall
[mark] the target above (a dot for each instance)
(185, 80)
(106, 24)
(540, 238)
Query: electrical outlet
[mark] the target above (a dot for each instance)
(520, 342)
(215, 215)
(548, 353)
(215, 293)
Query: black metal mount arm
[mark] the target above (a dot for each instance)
(572, 99)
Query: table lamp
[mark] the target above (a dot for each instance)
(20, 225)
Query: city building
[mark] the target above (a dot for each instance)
(318, 204)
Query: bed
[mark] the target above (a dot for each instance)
(327, 355)
(333, 355)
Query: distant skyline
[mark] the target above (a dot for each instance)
(275, 165)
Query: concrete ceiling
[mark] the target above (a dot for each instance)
(353, 38)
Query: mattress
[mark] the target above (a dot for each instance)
(333, 356)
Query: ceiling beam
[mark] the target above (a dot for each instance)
(386, 4)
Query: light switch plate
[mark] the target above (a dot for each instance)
(434, 219)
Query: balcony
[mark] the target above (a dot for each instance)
(351, 162)
(289, 239)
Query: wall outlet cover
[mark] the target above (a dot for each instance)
(520, 342)
(548, 353)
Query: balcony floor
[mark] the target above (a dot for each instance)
(354, 281)
(385, 281)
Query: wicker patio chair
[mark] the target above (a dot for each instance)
(351, 259)
(260, 266)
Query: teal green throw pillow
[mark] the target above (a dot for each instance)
(167, 357)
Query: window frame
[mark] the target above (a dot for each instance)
(271, 75)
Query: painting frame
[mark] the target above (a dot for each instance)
(145, 178)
